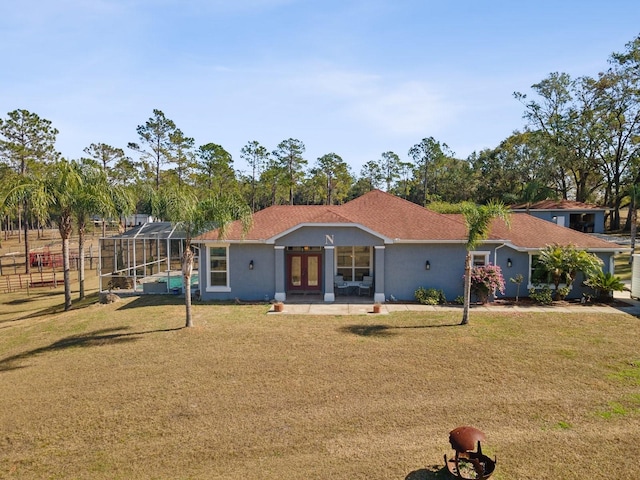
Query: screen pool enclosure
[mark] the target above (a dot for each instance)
(145, 259)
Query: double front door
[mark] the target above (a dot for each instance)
(304, 272)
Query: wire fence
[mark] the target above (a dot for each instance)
(21, 281)
(44, 274)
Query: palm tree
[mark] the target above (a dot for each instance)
(62, 186)
(478, 219)
(96, 197)
(564, 262)
(52, 193)
(552, 259)
(181, 206)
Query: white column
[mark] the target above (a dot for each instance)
(329, 255)
(379, 296)
(279, 270)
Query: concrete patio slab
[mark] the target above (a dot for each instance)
(632, 307)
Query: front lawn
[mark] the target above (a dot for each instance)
(122, 391)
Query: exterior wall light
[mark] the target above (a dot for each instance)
(427, 265)
(251, 265)
(509, 263)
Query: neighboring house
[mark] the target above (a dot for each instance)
(138, 219)
(583, 217)
(299, 249)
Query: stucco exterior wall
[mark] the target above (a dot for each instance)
(249, 285)
(405, 269)
(403, 264)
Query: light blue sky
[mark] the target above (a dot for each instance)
(354, 77)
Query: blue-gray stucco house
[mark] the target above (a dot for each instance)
(300, 249)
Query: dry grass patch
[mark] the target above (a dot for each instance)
(123, 391)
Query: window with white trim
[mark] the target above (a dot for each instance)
(353, 263)
(218, 268)
(539, 275)
(479, 259)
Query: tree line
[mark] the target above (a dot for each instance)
(580, 141)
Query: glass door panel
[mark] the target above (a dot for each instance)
(304, 272)
(313, 272)
(296, 271)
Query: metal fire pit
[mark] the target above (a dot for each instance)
(468, 464)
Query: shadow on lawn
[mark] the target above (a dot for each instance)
(26, 300)
(153, 301)
(107, 336)
(430, 473)
(384, 330)
(20, 301)
(87, 301)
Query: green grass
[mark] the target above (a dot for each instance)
(623, 267)
(563, 425)
(630, 372)
(628, 406)
(123, 391)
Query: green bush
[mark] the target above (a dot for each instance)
(541, 295)
(562, 264)
(562, 292)
(430, 296)
(604, 284)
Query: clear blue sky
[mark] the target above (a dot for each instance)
(354, 77)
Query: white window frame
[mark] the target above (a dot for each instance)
(480, 253)
(217, 288)
(530, 284)
(353, 267)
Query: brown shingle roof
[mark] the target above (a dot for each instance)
(386, 214)
(272, 221)
(531, 232)
(398, 219)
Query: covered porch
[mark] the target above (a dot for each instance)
(330, 274)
